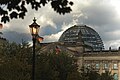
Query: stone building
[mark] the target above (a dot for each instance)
(86, 44)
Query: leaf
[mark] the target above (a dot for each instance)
(54, 5)
(17, 8)
(23, 3)
(63, 2)
(21, 15)
(28, 1)
(36, 5)
(9, 7)
(13, 15)
(3, 12)
(4, 1)
(23, 9)
(5, 19)
(43, 2)
(71, 3)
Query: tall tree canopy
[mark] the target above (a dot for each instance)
(16, 64)
(10, 9)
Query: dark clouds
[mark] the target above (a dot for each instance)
(101, 15)
(13, 36)
(48, 30)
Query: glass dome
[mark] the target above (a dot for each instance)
(83, 34)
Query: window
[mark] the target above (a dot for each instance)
(115, 66)
(106, 66)
(88, 65)
(97, 66)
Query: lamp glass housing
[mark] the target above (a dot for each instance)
(34, 28)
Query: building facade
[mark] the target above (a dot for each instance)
(86, 44)
(101, 61)
(89, 49)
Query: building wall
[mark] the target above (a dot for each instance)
(102, 61)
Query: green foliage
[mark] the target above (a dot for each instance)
(44, 71)
(92, 74)
(73, 76)
(14, 70)
(55, 66)
(10, 9)
(16, 64)
(106, 76)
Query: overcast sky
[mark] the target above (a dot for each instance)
(102, 15)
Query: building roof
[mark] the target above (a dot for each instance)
(83, 34)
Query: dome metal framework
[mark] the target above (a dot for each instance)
(82, 33)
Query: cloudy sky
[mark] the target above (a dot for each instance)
(102, 15)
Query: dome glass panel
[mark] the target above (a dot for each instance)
(83, 34)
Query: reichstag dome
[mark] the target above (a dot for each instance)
(82, 33)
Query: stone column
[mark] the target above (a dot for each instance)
(110, 66)
(101, 67)
(80, 63)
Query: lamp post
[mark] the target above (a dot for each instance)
(34, 28)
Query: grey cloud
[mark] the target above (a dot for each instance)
(99, 15)
(13, 36)
(47, 30)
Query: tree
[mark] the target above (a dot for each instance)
(14, 70)
(88, 74)
(10, 9)
(14, 63)
(106, 76)
(44, 71)
(64, 64)
(75, 75)
(52, 66)
(91, 74)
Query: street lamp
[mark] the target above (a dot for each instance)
(34, 28)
